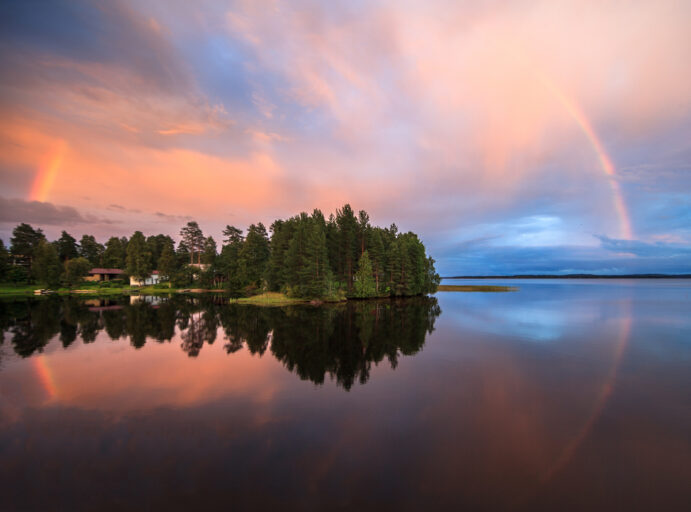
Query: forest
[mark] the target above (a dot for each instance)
(306, 256)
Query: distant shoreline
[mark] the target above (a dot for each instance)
(578, 276)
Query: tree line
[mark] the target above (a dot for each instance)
(305, 256)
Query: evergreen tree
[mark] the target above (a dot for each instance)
(363, 230)
(138, 257)
(254, 255)
(432, 279)
(24, 242)
(333, 246)
(4, 261)
(232, 235)
(183, 254)
(348, 243)
(166, 263)
(228, 262)
(377, 256)
(194, 240)
(209, 254)
(47, 266)
(156, 244)
(364, 285)
(315, 272)
(114, 254)
(67, 247)
(281, 235)
(90, 249)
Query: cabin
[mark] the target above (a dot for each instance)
(151, 279)
(104, 274)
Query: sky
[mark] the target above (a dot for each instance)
(514, 137)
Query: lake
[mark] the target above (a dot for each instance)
(563, 395)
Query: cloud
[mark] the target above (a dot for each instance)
(114, 72)
(34, 212)
(612, 256)
(646, 250)
(175, 218)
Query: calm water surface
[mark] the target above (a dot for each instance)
(564, 395)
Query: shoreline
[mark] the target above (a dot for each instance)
(262, 299)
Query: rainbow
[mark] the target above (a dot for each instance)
(571, 448)
(47, 171)
(578, 115)
(600, 402)
(45, 376)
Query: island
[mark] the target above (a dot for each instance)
(305, 258)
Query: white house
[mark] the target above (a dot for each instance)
(154, 278)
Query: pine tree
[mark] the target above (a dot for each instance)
(167, 264)
(209, 254)
(114, 254)
(363, 230)
(364, 285)
(90, 249)
(254, 255)
(23, 244)
(228, 262)
(138, 257)
(347, 227)
(232, 235)
(281, 234)
(315, 270)
(4, 261)
(377, 256)
(194, 240)
(67, 247)
(432, 279)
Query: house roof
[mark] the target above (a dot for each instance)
(106, 271)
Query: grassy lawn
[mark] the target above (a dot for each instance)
(475, 288)
(7, 290)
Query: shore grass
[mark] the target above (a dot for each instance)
(475, 288)
(269, 299)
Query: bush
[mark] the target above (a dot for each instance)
(17, 275)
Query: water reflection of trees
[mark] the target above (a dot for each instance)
(342, 341)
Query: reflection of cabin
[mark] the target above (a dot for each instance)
(104, 274)
(100, 305)
(153, 278)
(152, 300)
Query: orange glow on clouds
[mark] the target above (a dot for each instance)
(426, 98)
